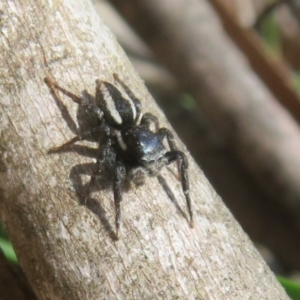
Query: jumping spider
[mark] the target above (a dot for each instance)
(130, 148)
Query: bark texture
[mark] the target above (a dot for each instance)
(65, 248)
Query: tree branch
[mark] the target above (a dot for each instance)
(65, 248)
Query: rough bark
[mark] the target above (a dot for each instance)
(65, 248)
(186, 36)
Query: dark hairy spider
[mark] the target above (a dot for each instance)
(130, 147)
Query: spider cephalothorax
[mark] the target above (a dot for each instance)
(130, 147)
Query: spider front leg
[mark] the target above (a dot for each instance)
(147, 119)
(180, 156)
(164, 132)
(53, 86)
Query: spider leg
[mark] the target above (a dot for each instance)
(147, 119)
(53, 86)
(117, 183)
(180, 156)
(75, 139)
(107, 154)
(102, 150)
(164, 132)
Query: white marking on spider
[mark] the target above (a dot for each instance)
(110, 104)
(121, 141)
(133, 108)
(127, 98)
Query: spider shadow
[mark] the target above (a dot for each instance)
(103, 182)
(171, 195)
(85, 120)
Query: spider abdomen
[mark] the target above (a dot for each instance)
(119, 110)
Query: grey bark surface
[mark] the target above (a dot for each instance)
(65, 248)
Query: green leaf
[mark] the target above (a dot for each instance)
(292, 288)
(8, 250)
(187, 101)
(271, 34)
